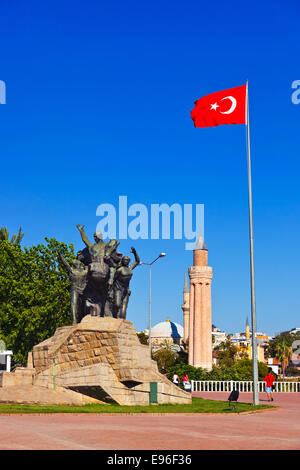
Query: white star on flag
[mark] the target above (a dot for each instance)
(214, 106)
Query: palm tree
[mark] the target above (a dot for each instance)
(283, 354)
(16, 239)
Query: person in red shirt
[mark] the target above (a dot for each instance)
(269, 379)
(186, 382)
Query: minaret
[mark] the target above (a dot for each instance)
(200, 323)
(186, 308)
(247, 329)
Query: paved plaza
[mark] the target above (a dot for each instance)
(276, 429)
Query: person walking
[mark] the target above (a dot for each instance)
(269, 380)
(176, 380)
(186, 382)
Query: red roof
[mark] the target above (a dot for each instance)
(274, 361)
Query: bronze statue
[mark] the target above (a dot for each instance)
(98, 272)
(78, 278)
(121, 280)
(100, 278)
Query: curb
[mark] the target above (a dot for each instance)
(275, 408)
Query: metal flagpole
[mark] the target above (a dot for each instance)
(253, 307)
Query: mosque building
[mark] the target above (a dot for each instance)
(167, 333)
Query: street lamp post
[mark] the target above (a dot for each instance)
(150, 265)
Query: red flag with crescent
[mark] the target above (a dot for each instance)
(222, 107)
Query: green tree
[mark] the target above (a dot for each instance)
(194, 373)
(34, 294)
(144, 339)
(283, 354)
(4, 236)
(228, 354)
(240, 370)
(165, 358)
(285, 337)
(243, 370)
(292, 372)
(281, 348)
(182, 357)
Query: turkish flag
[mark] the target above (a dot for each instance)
(222, 107)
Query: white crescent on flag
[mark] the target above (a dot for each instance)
(233, 104)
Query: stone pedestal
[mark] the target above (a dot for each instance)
(102, 360)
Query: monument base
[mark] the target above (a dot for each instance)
(99, 360)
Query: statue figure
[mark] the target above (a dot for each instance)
(95, 256)
(114, 262)
(96, 250)
(121, 280)
(100, 278)
(78, 277)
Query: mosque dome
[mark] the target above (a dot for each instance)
(167, 329)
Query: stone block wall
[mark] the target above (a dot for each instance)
(101, 359)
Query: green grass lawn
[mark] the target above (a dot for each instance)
(199, 405)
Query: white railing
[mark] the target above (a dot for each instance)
(241, 386)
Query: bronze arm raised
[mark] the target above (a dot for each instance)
(136, 257)
(83, 235)
(65, 263)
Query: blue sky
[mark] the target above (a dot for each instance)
(99, 96)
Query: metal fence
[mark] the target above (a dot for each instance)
(241, 386)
